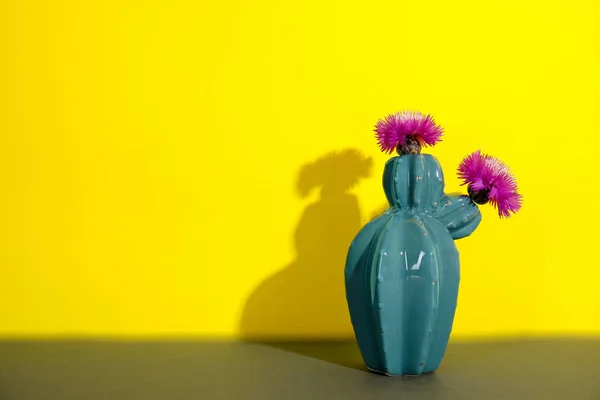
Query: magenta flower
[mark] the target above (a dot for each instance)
(489, 179)
(396, 128)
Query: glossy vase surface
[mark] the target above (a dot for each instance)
(402, 269)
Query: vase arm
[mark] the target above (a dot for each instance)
(459, 214)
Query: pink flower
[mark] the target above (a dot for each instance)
(490, 179)
(395, 128)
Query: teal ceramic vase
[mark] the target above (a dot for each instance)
(402, 269)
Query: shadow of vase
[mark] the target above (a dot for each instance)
(306, 299)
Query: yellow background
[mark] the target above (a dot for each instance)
(162, 162)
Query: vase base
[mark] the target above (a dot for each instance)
(406, 375)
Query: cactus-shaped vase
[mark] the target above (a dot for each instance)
(402, 269)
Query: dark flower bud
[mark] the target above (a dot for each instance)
(411, 146)
(479, 196)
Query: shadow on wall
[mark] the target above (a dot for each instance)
(307, 298)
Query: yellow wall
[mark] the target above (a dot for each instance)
(162, 162)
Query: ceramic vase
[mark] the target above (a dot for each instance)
(402, 269)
